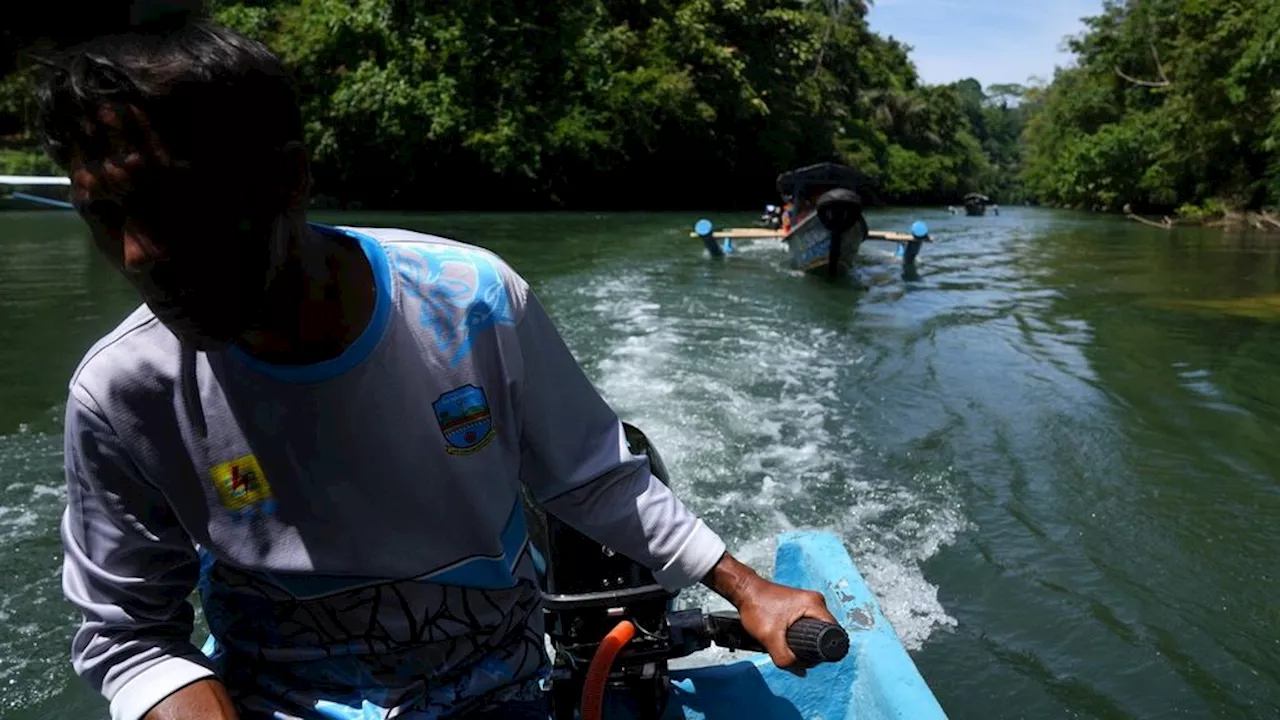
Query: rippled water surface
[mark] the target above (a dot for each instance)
(1053, 453)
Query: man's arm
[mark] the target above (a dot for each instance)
(767, 609)
(576, 461)
(129, 567)
(201, 700)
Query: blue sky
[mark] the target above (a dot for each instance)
(995, 41)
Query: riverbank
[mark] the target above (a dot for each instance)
(1231, 220)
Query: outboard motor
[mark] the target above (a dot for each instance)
(589, 592)
(588, 589)
(772, 217)
(838, 210)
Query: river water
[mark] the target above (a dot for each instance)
(1054, 454)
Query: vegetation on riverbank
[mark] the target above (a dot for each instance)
(625, 103)
(26, 161)
(1173, 109)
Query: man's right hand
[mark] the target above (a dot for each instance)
(202, 700)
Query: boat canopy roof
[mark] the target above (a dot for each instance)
(824, 176)
(977, 197)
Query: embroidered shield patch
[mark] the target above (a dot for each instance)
(242, 487)
(463, 414)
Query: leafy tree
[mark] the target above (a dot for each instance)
(1173, 102)
(624, 103)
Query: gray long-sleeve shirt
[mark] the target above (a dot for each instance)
(358, 513)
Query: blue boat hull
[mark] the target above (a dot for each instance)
(877, 679)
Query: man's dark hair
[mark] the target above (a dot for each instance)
(210, 94)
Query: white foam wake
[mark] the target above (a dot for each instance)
(750, 414)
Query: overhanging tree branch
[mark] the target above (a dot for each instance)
(1164, 78)
(826, 37)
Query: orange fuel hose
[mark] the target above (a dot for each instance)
(598, 673)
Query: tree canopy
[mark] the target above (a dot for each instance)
(1172, 103)
(617, 103)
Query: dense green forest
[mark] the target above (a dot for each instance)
(613, 103)
(1173, 104)
(700, 103)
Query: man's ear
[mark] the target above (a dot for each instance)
(294, 179)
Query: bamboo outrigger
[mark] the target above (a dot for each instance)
(7, 182)
(768, 234)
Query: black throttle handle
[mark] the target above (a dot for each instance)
(812, 641)
(815, 641)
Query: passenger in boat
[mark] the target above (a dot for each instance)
(322, 429)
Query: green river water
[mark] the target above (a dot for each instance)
(1054, 455)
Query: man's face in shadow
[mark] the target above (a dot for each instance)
(195, 237)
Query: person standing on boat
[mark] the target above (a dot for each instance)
(322, 429)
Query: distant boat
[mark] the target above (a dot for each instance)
(825, 217)
(821, 222)
(976, 204)
(50, 197)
